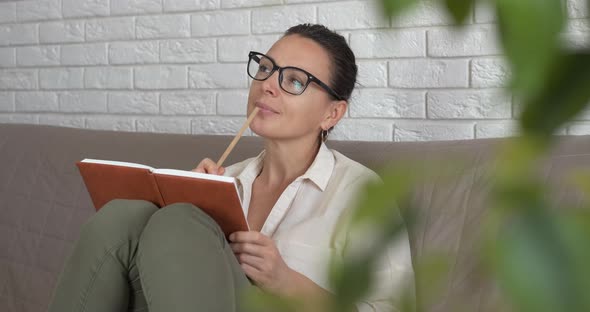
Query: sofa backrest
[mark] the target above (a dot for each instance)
(43, 201)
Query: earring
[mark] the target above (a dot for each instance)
(324, 135)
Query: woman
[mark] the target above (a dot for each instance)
(133, 255)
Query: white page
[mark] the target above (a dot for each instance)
(116, 163)
(192, 174)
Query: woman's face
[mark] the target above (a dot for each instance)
(286, 116)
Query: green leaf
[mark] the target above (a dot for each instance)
(380, 201)
(432, 276)
(351, 280)
(581, 179)
(256, 300)
(564, 95)
(529, 32)
(575, 230)
(396, 7)
(529, 258)
(459, 9)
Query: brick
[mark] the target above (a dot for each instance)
(83, 8)
(7, 57)
(83, 102)
(307, 1)
(163, 26)
(17, 34)
(220, 23)
(279, 19)
(489, 72)
(121, 28)
(362, 130)
(164, 125)
(424, 131)
(576, 40)
(38, 56)
(135, 6)
(372, 73)
(134, 102)
(61, 32)
(485, 130)
(578, 26)
(236, 49)
(108, 78)
(484, 13)
(36, 102)
(84, 54)
(469, 104)
(19, 79)
(352, 15)
(220, 76)
(111, 123)
(578, 8)
(38, 10)
(61, 78)
(389, 43)
(423, 13)
(188, 103)
(6, 102)
(474, 40)
(232, 103)
(161, 77)
(7, 12)
(62, 121)
(188, 51)
(140, 52)
(19, 119)
(388, 103)
(218, 125)
(229, 4)
(579, 129)
(190, 5)
(428, 73)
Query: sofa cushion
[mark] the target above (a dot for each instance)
(43, 201)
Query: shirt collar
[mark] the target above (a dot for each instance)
(321, 169)
(319, 172)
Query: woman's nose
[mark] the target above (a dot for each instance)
(271, 84)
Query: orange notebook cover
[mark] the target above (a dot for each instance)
(218, 196)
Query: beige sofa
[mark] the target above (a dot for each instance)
(43, 201)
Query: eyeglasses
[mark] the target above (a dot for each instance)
(292, 80)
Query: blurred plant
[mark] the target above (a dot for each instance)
(538, 255)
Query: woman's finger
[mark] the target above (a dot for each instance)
(252, 237)
(248, 248)
(209, 166)
(253, 261)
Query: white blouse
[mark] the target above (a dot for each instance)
(303, 222)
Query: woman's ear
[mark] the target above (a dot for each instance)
(335, 112)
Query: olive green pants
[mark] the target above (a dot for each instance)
(132, 256)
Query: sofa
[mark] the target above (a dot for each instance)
(43, 201)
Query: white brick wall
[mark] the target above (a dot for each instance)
(179, 65)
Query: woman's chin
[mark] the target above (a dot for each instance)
(264, 133)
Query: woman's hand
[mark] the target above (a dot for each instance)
(209, 166)
(260, 259)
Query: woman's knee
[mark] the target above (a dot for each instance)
(180, 215)
(120, 217)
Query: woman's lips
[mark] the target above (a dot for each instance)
(266, 109)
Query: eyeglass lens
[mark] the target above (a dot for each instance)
(291, 80)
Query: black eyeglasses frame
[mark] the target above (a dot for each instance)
(311, 78)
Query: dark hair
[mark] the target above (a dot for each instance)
(344, 69)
